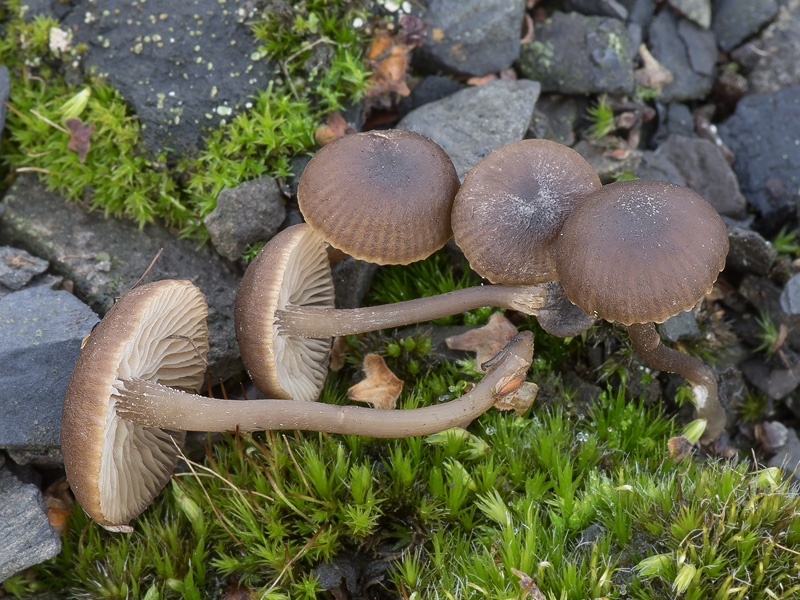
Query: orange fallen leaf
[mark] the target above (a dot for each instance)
(482, 80)
(335, 128)
(381, 388)
(79, 134)
(338, 350)
(485, 341)
(58, 499)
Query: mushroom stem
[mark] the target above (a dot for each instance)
(315, 321)
(647, 344)
(155, 405)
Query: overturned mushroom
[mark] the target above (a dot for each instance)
(156, 332)
(380, 196)
(285, 320)
(154, 405)
(639, 252)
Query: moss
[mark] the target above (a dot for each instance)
(125, 181)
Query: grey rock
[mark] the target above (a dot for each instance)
(606, 166)
(688, 51)
(40, 457)
(679, 327)
(555, 118)
(183, 66)
(476, 121)
(40, 339)
(773, 57)
(657, 166)
(697, 11)
(251, 212)
(639, 11)
(788, 457)
(601, 8)
(351, 281)
(106, 257)
(26, 537)
(705, 170)
(471, 37)
(735, 20)
(5, 90)
(18, 267)
(763, 135)
(430, 89)
(776, 379)
(790, 296)
(576, 54)
(749, 252)
(674, 118)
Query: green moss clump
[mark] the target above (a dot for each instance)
(119, 176)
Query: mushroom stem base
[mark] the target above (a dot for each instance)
(155, 405)
(647, 344)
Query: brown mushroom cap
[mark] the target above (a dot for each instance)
(156, 332)
(510, 208)
(641, 251)
(381, 196)
(292, 268)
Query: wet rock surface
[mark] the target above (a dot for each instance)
(471, 37)
(105, 258)
(182, 66)
(576, 54)
(475, 121)
(26, 537)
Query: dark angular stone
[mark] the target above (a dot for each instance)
(688, 51)
(26, 537)
(40, 339)
(575, 54)
(763, 135)
(735, 20)
(476, 121)
(471, 37)
(430, 89)
(18, 267)
(750, 252)
(251, 212)
(105, 257)
(183, 66)
(603, 8)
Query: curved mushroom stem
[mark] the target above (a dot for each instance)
(155, 405)
(647, 344)
(314, 321)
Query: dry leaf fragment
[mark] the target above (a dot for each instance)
(79, 134)
(381, 388)
(652, 74)
(59, 500)
(338, 351)
(336, 127)
(388, 61)
(528, 585)
(521, 400)
(679, 448)
(485, 341)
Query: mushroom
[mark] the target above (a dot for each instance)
(151, 404)
(285, 320)
(380, 196)
(156, 332)
(509, 210)
(639, 252)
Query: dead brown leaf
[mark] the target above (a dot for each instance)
(413, 31)
(381, 388)
(335, 128)
(483, 80)
(521, 400)
(338, 350)
(387, 58)
(59, 501)
(528, 585)
(652, 74)
(485, 341)
(79, 134)
(679, 448)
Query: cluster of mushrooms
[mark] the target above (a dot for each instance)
(532, 218)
